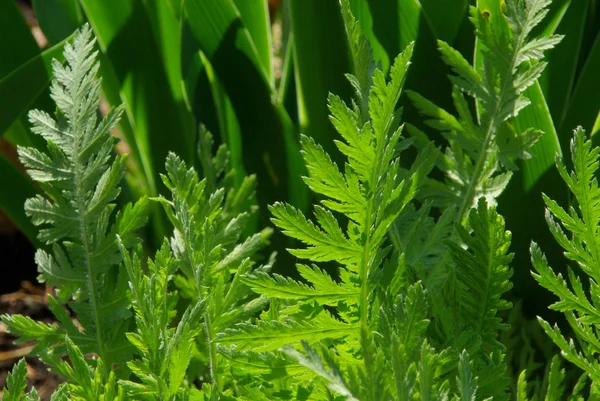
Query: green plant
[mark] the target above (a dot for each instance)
(399, 302)
(190, 59)
(91, 266)
(479, 149)
(378, 345)
(576, 299)
(80, 177)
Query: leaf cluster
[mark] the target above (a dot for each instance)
(482, 146)
(140, 328)
(392, 303)
(576, 231)
(80, 177)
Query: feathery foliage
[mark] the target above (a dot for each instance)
(365, 332)
(391, 304)
(80, 177)
(553, 386)
(165, 350)
(484, 261)
(581, 246)
(207, 257)
(482, 148)
(367, 194)
(16, 384)
(338, 318)
(97, 266)
(465, 266)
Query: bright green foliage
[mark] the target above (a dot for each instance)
(369, 196)
(581, 246)
(467, 314)
(210, 255)
(166, 350)
(482, 268)
(391, 304)
(398, 363)
(418, 370)
(16, 384)
(423, 241)
(85, 382)
(480, 145)
(80, 177)
(97, 276)
(553, 386)
(365, 332)
(463, 258)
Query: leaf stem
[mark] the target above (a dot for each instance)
(83, 223)
(214, 364)
(482, 159)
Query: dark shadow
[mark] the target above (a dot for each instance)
(264, 152)
(201, 96)
(523, 212)
(129, 54)
(261, 127)
(17, 262)
(386, 32)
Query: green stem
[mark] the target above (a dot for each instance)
(364, 269)
(366, 251)
(214, 362)
(467, 200)
(83, 224)
(482, 159)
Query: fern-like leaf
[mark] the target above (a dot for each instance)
(209, 257)
(483, 269)
(581, 245)
(80, 177)
(511, 64)
(15, 382)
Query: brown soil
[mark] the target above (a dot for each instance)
(29, 301)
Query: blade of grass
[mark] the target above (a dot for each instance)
(320, 66)
(25, 75)
(20, 88)
(596, 127)
(152, 97)
(559, 76)
(227, 44)
(584, 104)
(538, 115)
(58, 19)
(445, 17)
(134, 71)
(228, 124)
(255, 16)
(225, 20)
(22, 46)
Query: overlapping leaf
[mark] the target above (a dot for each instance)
(475, 163)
